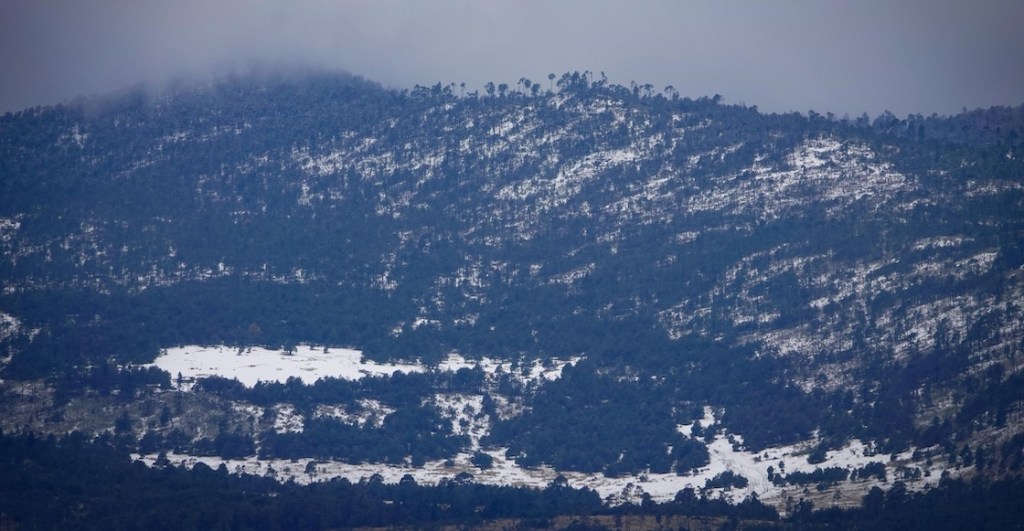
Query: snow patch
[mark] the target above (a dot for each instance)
(8, 227)
(538, 371)
(9, 325)
(250, 365)
(369, 413)
(287, 420)
(939, 242)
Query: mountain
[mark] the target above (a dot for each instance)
(688, 272)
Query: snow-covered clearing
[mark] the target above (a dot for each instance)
(250, 365)
(255, 364)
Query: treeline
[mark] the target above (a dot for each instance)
(398, 389)
(107, 378)
(953, 504)
(75, 483)
(418, 433)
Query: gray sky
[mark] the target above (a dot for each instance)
(853, 56)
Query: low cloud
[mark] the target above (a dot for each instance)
(914, 56)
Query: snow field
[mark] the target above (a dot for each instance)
(251, 365)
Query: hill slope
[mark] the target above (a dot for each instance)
(806, 279)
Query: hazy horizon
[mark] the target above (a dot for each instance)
(906, 57)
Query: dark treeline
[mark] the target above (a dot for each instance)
(954, 504)
(74, 483)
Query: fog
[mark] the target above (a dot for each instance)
(911, 56)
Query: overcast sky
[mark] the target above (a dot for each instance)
(848, 57)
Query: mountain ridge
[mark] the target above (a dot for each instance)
(808, 276)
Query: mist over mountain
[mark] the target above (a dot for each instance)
(696, 278)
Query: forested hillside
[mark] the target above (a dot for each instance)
(801, 278)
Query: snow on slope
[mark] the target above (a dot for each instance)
(465, 414)
(250, 365)
(254, 364)
(836, 173)
(725, 450)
